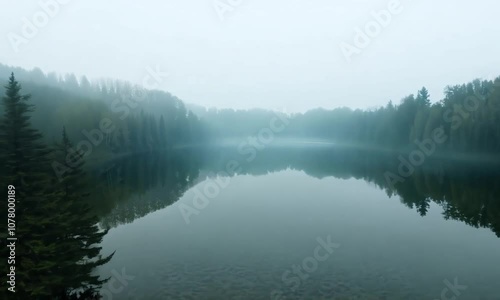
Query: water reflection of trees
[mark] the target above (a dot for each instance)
(136, 186)
(143, 184)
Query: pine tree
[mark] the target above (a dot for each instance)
(423, 98)
(153, 129)
(119, 142)
(26, 166)
(145, 133)
(55, 250)
(133, 134)
(162, 131)
(78, 253)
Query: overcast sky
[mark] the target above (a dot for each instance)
(277, 54)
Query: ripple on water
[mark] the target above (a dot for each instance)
(197, 281)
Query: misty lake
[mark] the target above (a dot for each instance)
(297, 223)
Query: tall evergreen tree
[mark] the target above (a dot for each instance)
(162, 131)
(153, 129)
(56, 248)
(26, 160)
(79, 254)
(145, 133)
(423, 98)
(133, 134)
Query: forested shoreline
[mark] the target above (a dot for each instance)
(469, 117)
(55, 241)
(54, 130)
(136, 120)
(147, 120)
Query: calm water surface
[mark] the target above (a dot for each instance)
(284, 234)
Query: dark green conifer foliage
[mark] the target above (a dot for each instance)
(26, 165)
(56, 249)
(80, 253)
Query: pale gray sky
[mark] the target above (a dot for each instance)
(277, 54)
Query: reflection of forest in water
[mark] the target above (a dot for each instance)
(136, 186)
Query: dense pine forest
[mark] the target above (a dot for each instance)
(469, 115)
(144, 120)
(57, 249)
(135, 119)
